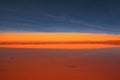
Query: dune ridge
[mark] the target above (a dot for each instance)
(111, 42)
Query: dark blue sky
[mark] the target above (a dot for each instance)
(96, 16)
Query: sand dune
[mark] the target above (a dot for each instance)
(60, 64)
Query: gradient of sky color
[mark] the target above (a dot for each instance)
(58, 40)
(43, 36)
(94, 16)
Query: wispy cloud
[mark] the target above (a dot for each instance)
(20, 20)
(9, 29)
(85, 24)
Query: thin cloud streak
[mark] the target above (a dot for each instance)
(84, 23)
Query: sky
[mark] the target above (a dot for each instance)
(92, 16)
(46, 37)
(58, 40)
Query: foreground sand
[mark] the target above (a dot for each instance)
(60, 64)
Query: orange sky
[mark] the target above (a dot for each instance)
(58, 36)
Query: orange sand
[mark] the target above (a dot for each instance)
(22, 64)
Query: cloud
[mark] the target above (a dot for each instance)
(9, 29)
(86, 25)
(21, 20)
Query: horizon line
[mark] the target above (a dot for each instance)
(112, 42)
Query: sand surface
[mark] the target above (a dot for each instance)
(60, 64)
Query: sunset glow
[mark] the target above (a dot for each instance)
(54, 40)
(59, 40)
(42, 36)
